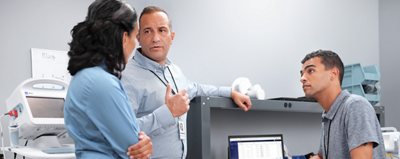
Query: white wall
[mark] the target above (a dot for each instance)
(216, 41)
(265, 40)
(389, 31)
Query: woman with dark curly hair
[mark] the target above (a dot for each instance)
(98, 114)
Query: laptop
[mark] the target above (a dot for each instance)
(256, 147)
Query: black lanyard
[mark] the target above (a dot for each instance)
(176, 86)
(327, 147)
(173, 92)
(329, 130)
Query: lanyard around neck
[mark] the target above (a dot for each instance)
(173, 92)
(327, 145)
(329, 130)
(176, 86)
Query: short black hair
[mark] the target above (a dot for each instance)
(330, 60)
(99, 37)
(153, 9)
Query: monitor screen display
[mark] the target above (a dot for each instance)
(256, 147)
(46, 107)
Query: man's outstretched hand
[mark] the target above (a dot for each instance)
(243, 101)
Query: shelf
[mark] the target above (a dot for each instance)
(263, 105)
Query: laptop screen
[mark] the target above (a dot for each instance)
(256, 147)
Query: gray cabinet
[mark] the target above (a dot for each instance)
(201, 108)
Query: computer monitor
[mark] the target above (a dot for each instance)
(39, 104)
(42, 107)
(37, 114)
(256, 147)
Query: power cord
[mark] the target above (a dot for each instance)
(11, 113)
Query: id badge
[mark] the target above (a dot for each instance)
(182, 132)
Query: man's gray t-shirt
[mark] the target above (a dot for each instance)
(353, 122)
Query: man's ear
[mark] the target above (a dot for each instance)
(334, 73)
(138, 39)
(172, 37)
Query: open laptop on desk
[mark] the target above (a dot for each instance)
(256, 147)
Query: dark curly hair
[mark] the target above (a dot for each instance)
(329, 59)
(99, 37)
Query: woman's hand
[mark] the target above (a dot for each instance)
(141, 150)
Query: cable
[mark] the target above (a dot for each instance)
(2, 135)
(26, 143)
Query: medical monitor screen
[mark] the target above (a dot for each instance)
(46, 107)
(256, 147)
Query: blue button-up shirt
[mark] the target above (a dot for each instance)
(147, 96)
(98, 115)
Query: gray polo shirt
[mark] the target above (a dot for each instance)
(353, 122)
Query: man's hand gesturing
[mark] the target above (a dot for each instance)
(178, 104)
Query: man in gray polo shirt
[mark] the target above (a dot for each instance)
(350, 128)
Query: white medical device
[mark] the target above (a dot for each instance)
(39, 104)
(391, 139)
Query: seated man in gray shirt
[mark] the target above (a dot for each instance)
(350, 128)
(150, 77)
